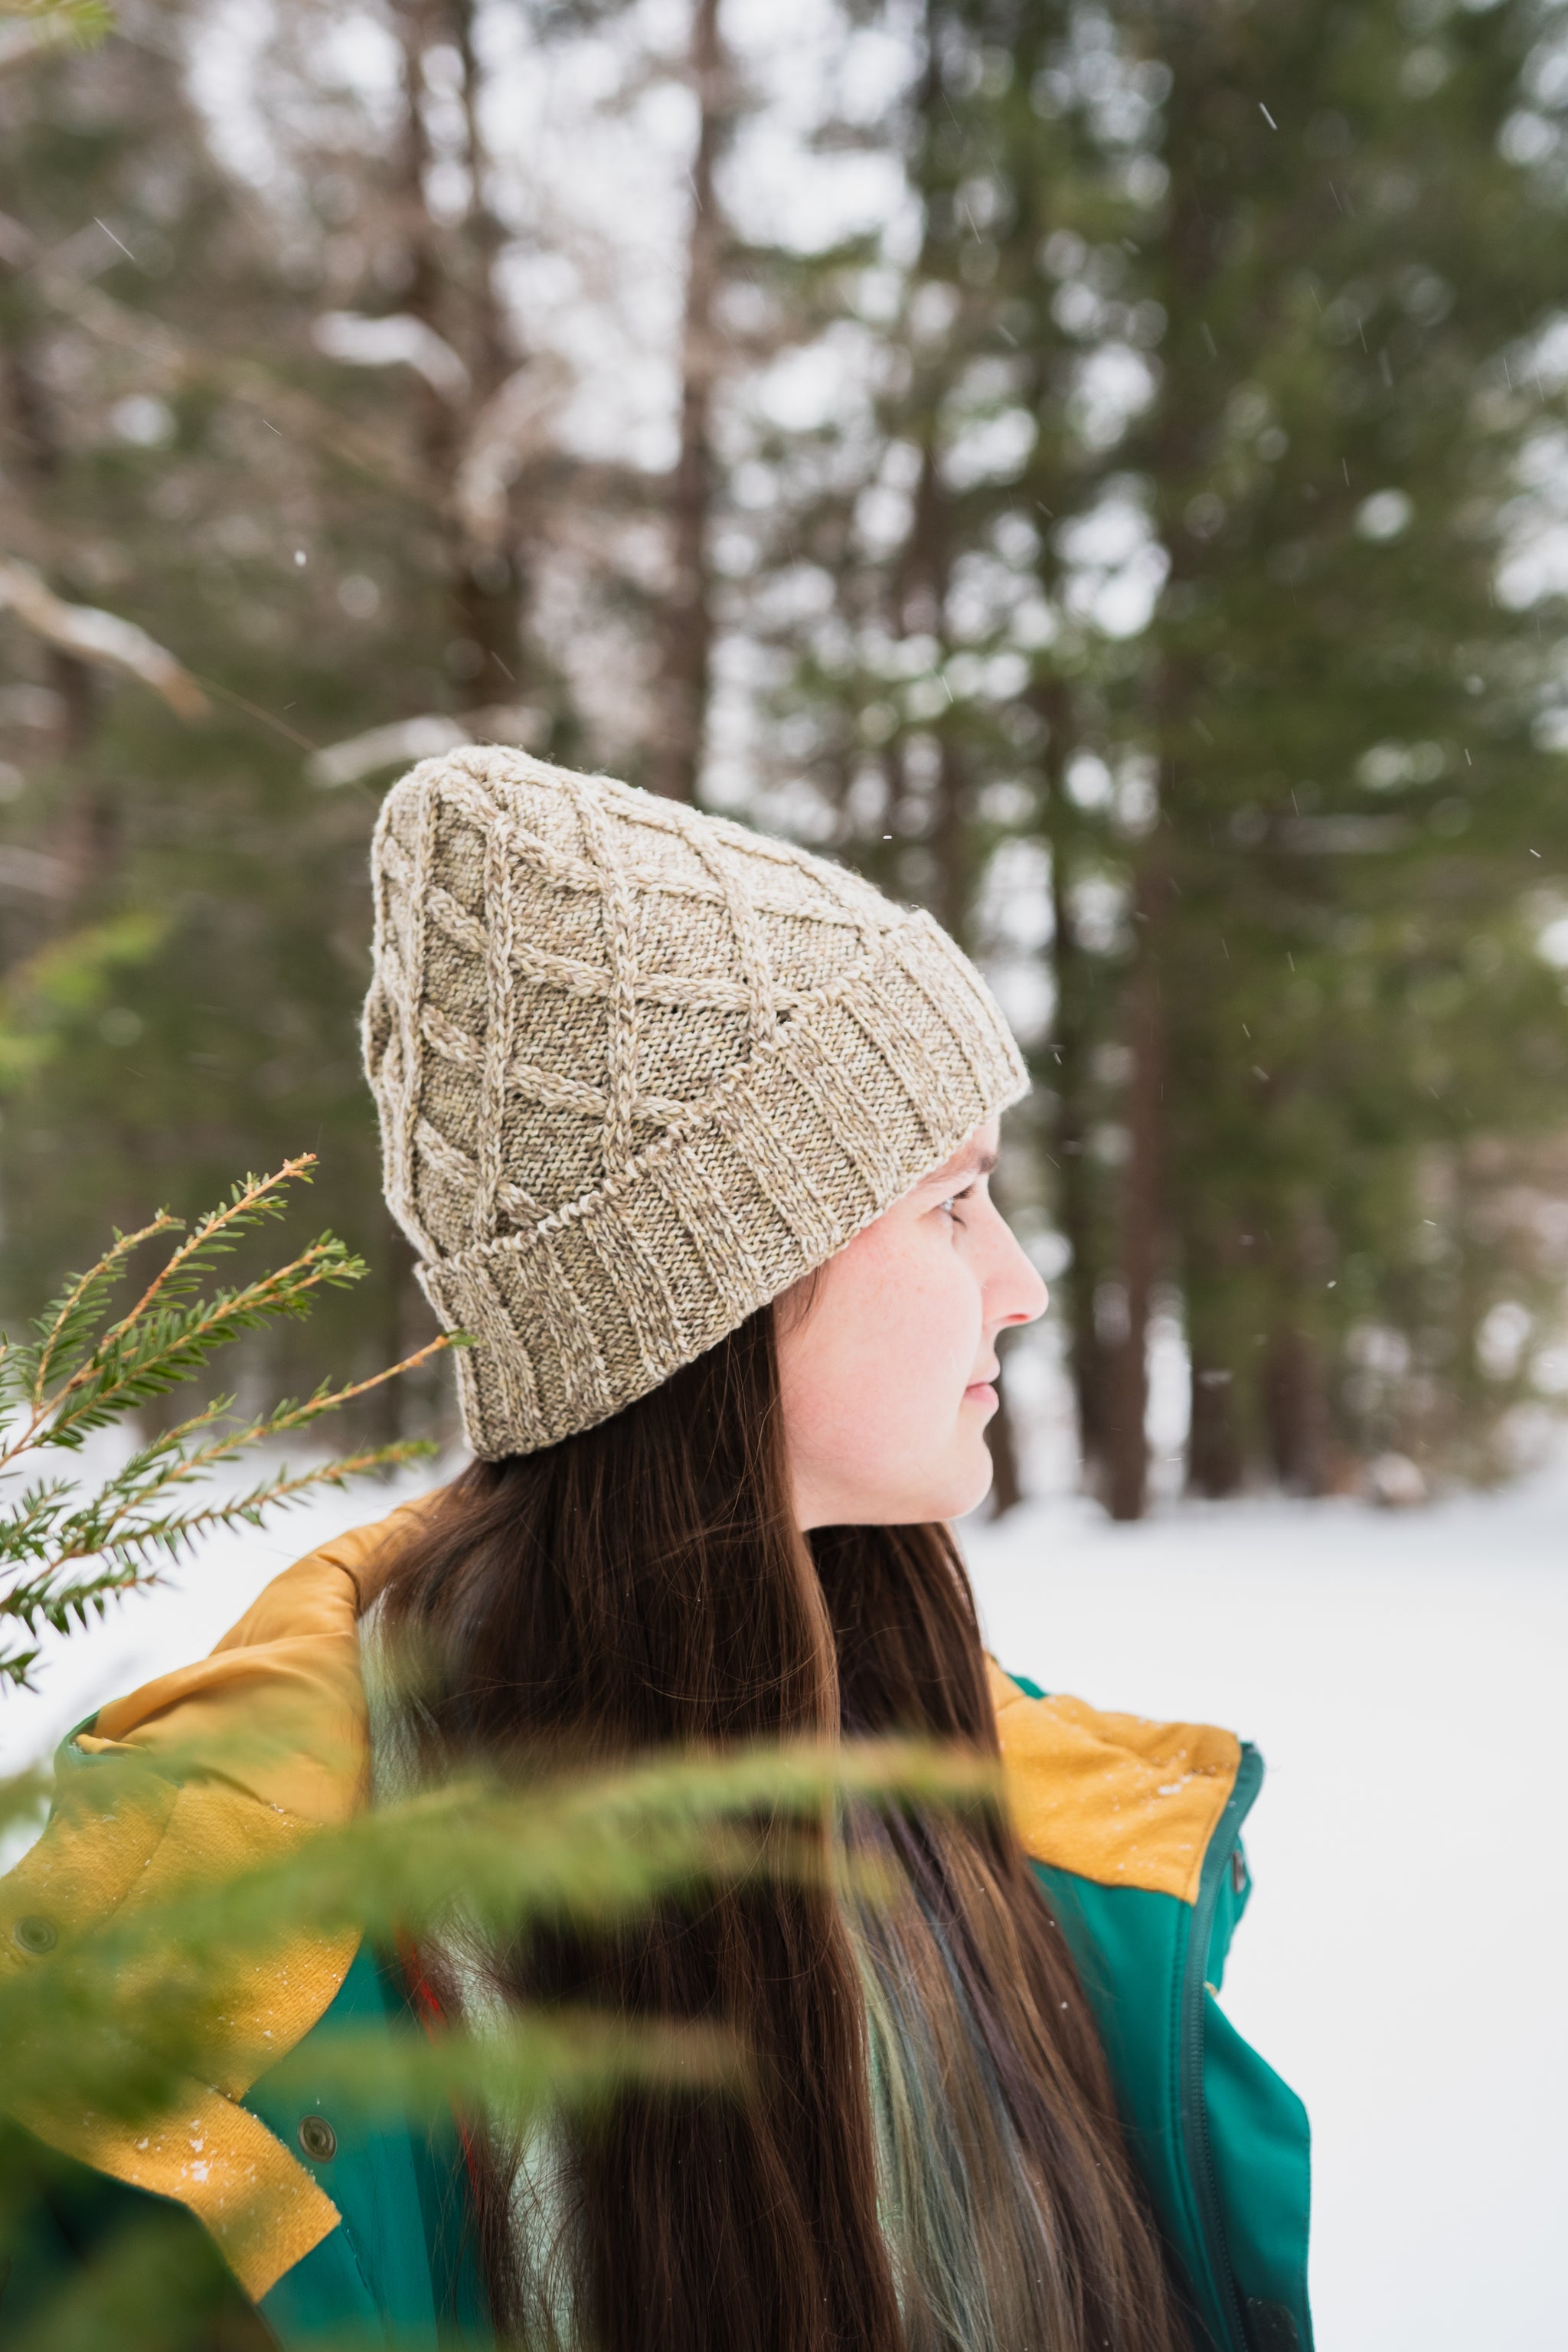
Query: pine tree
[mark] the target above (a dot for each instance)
(689, 620)
(1345, 257)
(285, 432)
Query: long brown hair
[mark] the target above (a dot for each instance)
(641, 1585)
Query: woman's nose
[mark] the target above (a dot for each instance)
(1018, 1293)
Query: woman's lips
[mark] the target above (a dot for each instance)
(982, 1392)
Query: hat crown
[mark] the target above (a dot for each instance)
(637, 1068)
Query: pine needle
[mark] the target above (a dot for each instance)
(64, 1556)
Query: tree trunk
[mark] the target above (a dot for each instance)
(489, 583)
(435, 421)
(1293, 1414)
(1006, 1480)
(1068, 1139)
(1293, 1394)
(674, 765)
(1217, 1455)
(1215, 1466)
(86, 824)
(453, 290)
(952, 838)
(1127, 1442)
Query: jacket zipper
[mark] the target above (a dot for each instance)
(1194, 2112)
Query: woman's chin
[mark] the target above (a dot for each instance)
(950, 1480)
(967, 1487)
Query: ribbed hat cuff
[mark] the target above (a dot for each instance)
(575, 1318)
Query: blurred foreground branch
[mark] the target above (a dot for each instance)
(127, 1992)
(31, 28)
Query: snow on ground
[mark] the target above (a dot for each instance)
(1401, 1963)
(1401, 1959)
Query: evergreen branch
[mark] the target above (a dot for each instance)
(114, 2012)
(43, 996)
(283, 1420)
(144, 2289)
(86, 1535)
(34, 28)
(68, 1558)
(172, 1343)
(83, 17)
(26, 1531)
(158, 1467)
(45, 1601)
(258, 385)
(257, 1197)
(131, 1488)
(151, 1457)
(325, 1400)
(533, 2062)
(598, 1847)
(173, 1535)
(17, 1668)
(63, 1325)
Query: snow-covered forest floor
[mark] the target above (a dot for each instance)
(1401, 1963)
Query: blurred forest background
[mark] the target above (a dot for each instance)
(1102, 468)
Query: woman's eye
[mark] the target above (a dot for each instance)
(950, 1207)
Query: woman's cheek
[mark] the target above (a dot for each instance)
(895, 1345)
(936, 1345)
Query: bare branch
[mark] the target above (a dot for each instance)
(102, 638)
(397, 746)
(400, 340)
(186, 361)
(408, 739)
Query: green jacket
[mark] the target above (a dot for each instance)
(1133, 1829)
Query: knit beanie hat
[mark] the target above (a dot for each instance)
(639, 1069)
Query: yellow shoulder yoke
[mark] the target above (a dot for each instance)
(1115, 1798)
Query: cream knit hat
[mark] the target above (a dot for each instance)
(639, 1069)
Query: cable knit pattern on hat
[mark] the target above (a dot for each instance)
(638, 1069)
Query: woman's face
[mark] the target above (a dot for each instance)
(887, 1354)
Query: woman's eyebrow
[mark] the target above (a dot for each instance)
(977, 1163)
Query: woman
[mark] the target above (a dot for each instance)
(692, 1131)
